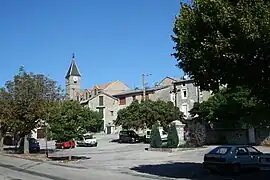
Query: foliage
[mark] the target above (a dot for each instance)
(29, 96)
(225, 42)
(147, 113)
(68, 120)
(197, 134)
(173, 139)
(155, 139)
(232, 108)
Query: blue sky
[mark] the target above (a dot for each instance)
(112, 39)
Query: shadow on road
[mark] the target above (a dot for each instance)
(14, 150)
(195, 171)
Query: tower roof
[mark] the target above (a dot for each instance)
(73, 68)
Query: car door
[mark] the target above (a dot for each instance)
(243, 157)
(254, 155)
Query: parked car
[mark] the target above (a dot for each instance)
(235, 157)
(163, 135)
(87, 140)
(65, 145)
(128, 136)
(34, 146)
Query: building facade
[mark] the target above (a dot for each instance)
(109, 98)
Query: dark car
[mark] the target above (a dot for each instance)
(234, 157)
(34, 146)
(128, 136)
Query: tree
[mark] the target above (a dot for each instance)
(155, 139)
(225, 42)
(232, 108)
(197, 134)
(5, 116)
(31, 95)
(173, 139)
(146, 113)
(68, 120)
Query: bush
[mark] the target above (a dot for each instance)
(155, 139)
(197, 134)
(173, 139)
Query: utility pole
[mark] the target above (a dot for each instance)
(144, 84)
(175, 100)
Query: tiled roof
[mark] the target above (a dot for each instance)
(139, 91)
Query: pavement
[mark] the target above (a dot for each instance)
(118, 161)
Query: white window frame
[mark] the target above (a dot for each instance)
(182, 93)
(187, 109)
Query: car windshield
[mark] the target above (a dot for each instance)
(148, 132)
(127, 133)
(253, 150)
(88, 137)
(220, 150)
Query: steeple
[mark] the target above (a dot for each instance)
(73, 68)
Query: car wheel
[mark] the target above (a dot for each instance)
(236, 168)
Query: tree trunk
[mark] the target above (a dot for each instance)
(1, 143)
(26, 145)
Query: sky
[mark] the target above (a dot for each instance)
(112, 39)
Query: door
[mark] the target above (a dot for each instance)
(243, 157)
(109, 130)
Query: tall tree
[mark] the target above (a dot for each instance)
(232, 108)
(68, 120)
(31, 95)
(225, 42)
(5, 116)
(145, 114)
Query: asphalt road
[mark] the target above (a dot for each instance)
(119, 161)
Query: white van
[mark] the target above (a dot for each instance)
(163, 135)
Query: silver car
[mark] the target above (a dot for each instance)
(234, 157)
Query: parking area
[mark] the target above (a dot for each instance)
(132, 159)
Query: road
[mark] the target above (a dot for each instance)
(118, 161)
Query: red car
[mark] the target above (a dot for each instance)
(65, 145)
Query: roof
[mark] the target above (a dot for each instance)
(73, 69)
(103, 86)
(140, 91)
(86, 101)
(183, 81)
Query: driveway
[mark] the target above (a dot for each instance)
(133, 160)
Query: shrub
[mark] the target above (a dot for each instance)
(197, 134)
(155, 139)
(173, 139)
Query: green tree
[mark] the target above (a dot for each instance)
(5, 116)
(225, 42)
(173, 139)
(68, 120)
(232, 108)
(146, 113)
(155, 139)
(30, 95)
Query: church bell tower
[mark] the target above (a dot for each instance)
(73, 80)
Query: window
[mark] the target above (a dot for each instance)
(253, 151)
(201, 93)
(184, 84)
(220, 150)
(122, 101)
(184, 93)
(101, 101)
(146, 97)
(241, 151)
(185, 109)
(101, 112)
(134, 98)
(111, 113)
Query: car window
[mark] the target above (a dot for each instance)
(164, 133)
(148, 132)
(242, 151)
(32, 140)
(220, 150)
(253, 150)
